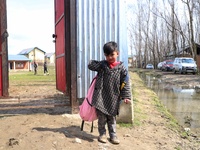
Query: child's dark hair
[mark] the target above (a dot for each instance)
(110, 47)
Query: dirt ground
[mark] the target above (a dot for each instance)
(183, 80)
(42, 122)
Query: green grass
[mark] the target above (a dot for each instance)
(139, 116)
(138, 108)
(173, 123)
(126, 125)
(28, 76)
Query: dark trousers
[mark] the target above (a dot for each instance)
(35, 71)
(111, 123)
(45, 70)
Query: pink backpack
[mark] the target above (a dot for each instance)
(87, 112)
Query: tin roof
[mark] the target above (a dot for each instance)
(49, 54)
(28, 50)
(18, 58)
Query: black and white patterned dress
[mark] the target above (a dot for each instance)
(107, 93)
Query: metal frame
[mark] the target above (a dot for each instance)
(71, 51)
(3, 50)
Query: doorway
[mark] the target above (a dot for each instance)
(30, 24)
(68, 12)
(26, 24)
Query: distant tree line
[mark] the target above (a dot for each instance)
(157, 28)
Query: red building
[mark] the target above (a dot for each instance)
(18, 62)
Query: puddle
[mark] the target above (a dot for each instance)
(184, 104)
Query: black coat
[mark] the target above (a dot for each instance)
(107, 93)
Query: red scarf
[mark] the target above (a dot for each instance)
(112, 65)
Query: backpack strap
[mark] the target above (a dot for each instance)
(82, 125)
(124, 82)
(92, 127)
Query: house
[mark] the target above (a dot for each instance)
(186, 52)
(34, 54)
(18, 62)
(130, 61)
(50, 58)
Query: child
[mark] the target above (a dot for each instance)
(107, 93)
(35, 67)
(45, 68)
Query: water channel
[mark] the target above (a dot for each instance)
(184, 104)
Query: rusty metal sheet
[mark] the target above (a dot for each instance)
(3, 50)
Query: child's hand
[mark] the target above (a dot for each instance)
(127, 101)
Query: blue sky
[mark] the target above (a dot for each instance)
(30, 24)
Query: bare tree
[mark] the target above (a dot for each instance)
(154, 36)
(190, 7)
(197, 20)
(146, 32)
(173, 26)
(164, 28)
(139, 35)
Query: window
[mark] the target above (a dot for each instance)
(19, 65)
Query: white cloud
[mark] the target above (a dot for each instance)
(30, 24)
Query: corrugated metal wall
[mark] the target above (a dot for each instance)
(98, 21)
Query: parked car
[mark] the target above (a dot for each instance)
(149, 66)
(159, 66)
(185, 65)
(167, 65)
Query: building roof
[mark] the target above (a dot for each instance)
(28, 50)
(186, 50)
(17, 58)
(49, 54)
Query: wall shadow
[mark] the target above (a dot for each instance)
(52, 105)
(69, 132)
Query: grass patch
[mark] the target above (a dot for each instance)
(137, 87)
(138, 113)
(24, 77)
(172, 123)
(126, 125)
(140, 93)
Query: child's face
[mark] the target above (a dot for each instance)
(112, 57)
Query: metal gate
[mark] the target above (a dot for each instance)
(65, 43)
(37, 103)
(60, 46)
(3, 50)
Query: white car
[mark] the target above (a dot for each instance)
(149, 66)
(159, 66)
(184, 65)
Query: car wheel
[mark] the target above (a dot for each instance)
(180, 71)
(174, 71)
